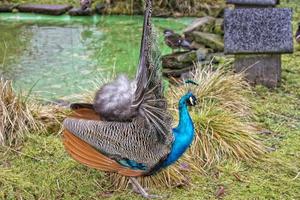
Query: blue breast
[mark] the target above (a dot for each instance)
(183, 138)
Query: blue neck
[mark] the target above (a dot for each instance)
(183, 134)
(184, 116)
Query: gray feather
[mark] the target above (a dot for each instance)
(113, 101)
(121, 140)
(123, 100)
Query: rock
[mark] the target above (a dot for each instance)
(44, 9)
(200, 13)
(260, 69)
(201, 54)
(100, 8)
(204, 24)
(274, 35)
(15, 10)
(216, 10)
(187, 75)
(179, 60)
(195, 45)
(7, 7)
(254, 2)
(216, 58)
(177, 72)
(219, 26)
(80, 12)
(211, 40)
(187, 57)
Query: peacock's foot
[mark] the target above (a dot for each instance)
(146, 195)
(152, 196)
(137, 188)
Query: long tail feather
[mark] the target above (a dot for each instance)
(142, 72)
(87, 155)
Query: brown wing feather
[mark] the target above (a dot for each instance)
(87, 155)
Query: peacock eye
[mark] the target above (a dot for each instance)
(191, 101)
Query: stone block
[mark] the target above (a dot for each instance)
(260, 69)
(44, 9)
(254, 2)
(258, 30)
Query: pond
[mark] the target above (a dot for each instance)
(58, 56)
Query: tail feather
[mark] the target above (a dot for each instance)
(83, 150)
(142, 74)
(149, 98)
(87, 155)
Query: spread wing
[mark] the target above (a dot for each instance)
(122, 142)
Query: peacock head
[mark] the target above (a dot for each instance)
(188, 99)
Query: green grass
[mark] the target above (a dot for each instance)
(40, 168)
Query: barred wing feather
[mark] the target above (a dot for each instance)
(122, 140)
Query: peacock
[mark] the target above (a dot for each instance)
(127, 129)
(176, 41)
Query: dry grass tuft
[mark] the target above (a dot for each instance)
(16, 117)
(222, 118)
(49, 117)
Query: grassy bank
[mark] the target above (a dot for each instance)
(163, 7)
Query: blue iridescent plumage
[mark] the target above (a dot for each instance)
(183, 133)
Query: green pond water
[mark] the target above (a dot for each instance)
(54, 57)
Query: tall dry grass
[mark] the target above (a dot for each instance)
(16, 116)
(223, 118)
